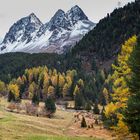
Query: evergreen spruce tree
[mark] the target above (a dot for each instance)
(96, 108)
(132, 111)
(57, 88)
(50, 105)
(35, 99)
(94, 66)
(103, 114)
(72, 88)
(83, 122)
(11, 97)
(79, 101)
(88, 106)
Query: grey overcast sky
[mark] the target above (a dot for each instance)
(12, 10)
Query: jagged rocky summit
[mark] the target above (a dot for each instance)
(58, 35)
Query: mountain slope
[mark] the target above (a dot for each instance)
(58, 35)
(101, 45)
(23, 30)
(104, 41)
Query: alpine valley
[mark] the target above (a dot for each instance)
(72, 79)
(58, 35)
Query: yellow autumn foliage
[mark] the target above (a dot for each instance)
(65, 90)
(54, 80)
(81, 83)
(110, 109)
(51, 90)
(106, 95)
(14, 89)
(76, 90)
(2, 87)
(61, 80)
(120, 92)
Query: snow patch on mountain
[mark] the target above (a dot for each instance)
(81, 28)
(58, 35)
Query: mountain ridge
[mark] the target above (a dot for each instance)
(30, 35)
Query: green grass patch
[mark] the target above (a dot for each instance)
(7, 118)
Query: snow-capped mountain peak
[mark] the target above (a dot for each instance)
(23, 29)
(58, 35)
(59, 12)
(59, 20)
(75, 14)
(34, 19)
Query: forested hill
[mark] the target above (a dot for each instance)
(99, 48)
(13, 65)
(104, 41)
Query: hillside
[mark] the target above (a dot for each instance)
(14, 64)
(61, 127)
(104, 41)
(102, 45)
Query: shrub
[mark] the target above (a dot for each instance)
(30, 109)
(11, 106)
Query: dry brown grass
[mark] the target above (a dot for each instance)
(18, 127)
